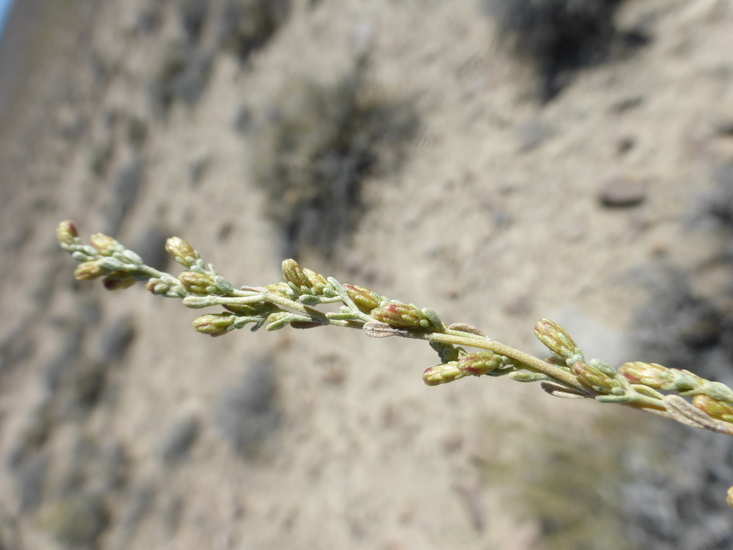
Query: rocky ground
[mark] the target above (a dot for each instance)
(457, 155)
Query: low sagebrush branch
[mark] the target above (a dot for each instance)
(566, 373)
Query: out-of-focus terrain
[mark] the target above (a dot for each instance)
(492, 162)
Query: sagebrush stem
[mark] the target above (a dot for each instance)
(634, 384)
(455, 337)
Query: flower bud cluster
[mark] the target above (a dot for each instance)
(365, 299)
(596, 377)
(408, 316)
(471, 364)
(198, 283)
(105, 258)
(182, 252)
(215, 324)
(481, 362)
(558, 341)
(442, 374)
(719, 410)
(114, 279)
(105, 245)
(67, 234)
(304, 280)
(659, 377)
(161, 287)
(88, 271)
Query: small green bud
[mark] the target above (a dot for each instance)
(294, 274)
(109, 263)
(132, 257)
(89, 270)
(181, 251)
(442, 374)
(156, 286)
(684, 380)
(223, 284)
(104, 244)
(648, 374)
(659, 377)
(365, 299)
(446, 352)
(214, 324)
(433, 319)
(713, 407)
(401, 315)
(481, 362)
(593, 378)
(316, 281)
(558, 341)
(66, 232)
(718, 391)
(198, 283)
(603, 366)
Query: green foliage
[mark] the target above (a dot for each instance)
(675, 394)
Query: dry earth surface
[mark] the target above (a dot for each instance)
(121, 428)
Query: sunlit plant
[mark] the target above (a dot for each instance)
(672, 393)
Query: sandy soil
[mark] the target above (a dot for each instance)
(494, 220)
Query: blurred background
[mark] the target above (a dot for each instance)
(496, 160)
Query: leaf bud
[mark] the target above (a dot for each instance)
(442, 374)
(198, 283)
(157, 286)
(660, 377)
(558, 341)
(593, 378)
(316, 281)
(365, 299)
(294, 274)
(401, 315)
(66, 232)
(181, 251)
(717, 409)
(104, 244)
(214, 324)
(89, 270)
(481, 362)
(648, 374)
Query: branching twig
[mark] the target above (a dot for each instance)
(566, 373)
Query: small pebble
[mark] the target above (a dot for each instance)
(620, 192)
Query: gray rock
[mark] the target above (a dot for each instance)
(619, 192)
